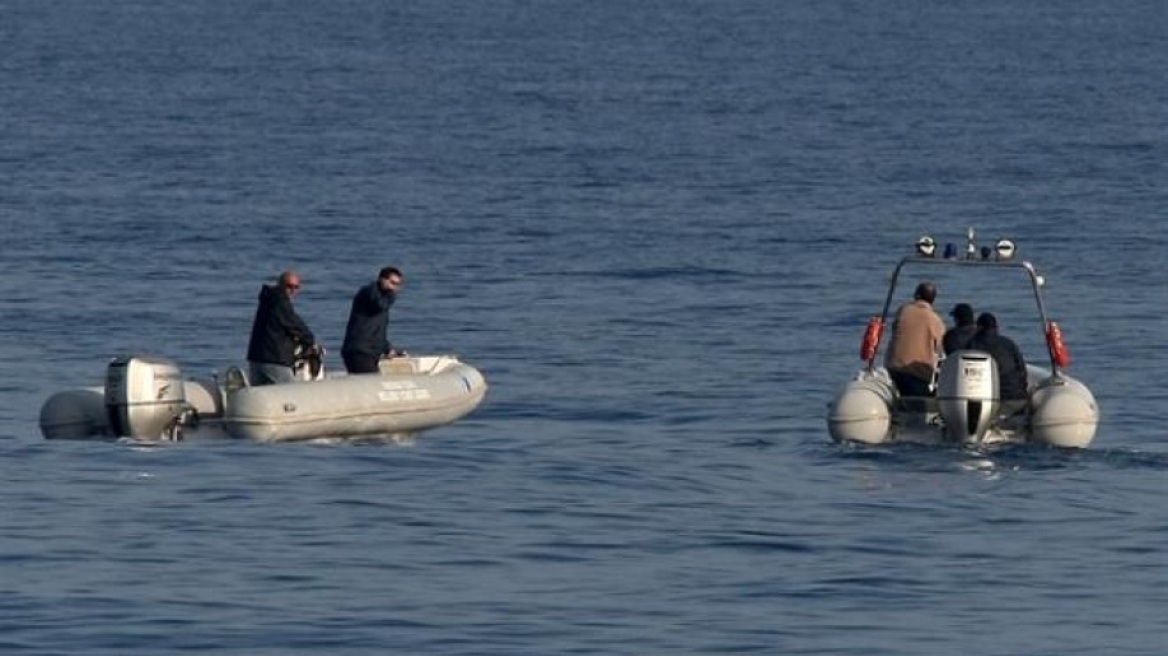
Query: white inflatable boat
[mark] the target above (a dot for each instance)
(965, 407)
(147, 399)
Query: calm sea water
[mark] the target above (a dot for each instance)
(659, 229)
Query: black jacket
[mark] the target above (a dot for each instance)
(1011, 367)
(365, 334)
(957, 337)
(277, 329)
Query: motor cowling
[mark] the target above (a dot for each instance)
(144, 397)
(967, 395)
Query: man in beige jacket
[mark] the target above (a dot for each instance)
(916, 340)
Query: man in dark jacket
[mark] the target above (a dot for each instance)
(365, 334)
(276, 332)
(1011, 366)
(962, 331)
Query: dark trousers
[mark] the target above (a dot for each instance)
(361, 363)
(910, 385)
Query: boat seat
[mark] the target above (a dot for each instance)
(235, 379)
(396, 366)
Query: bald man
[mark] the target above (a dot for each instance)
(276, 331)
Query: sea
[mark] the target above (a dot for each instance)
(659, 229)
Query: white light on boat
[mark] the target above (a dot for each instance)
(926, 246)
(1005, 249)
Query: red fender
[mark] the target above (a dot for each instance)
(1058, 348)
(872, 337)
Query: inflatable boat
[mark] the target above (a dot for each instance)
(148, 399)
(964, 406)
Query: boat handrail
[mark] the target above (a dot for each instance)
(970, 259)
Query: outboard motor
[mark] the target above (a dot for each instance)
(144, 397)
(967, 395)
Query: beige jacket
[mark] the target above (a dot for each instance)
(916, 340)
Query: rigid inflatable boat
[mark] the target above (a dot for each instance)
(964, 407)
(147, 399)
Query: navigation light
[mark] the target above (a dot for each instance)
(926, 246)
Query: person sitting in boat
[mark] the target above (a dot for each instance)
(915, 344)
(962, 331)
(366, 339)
(277, 332)
(1008, 358)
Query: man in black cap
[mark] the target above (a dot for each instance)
(962, 331)
(1011, 366)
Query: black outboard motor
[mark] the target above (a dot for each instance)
(967, 395)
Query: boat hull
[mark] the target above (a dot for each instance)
(1060, 412)
(354, 406)
(409, 395)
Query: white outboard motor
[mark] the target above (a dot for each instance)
(967, 395)
(144, 397)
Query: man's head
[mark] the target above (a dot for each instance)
(987, 321)
(290, 282)
(390, 279)
(962, 314)
(927, 292)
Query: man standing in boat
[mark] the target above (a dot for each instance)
(916, 341)
(366, 340)
(276, 333)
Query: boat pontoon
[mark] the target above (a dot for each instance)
(147, 399)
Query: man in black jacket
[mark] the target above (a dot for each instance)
(1011, 366)
(276, 332)
(962, 331)
(365, 334)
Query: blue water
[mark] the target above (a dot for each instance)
(659, 229)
